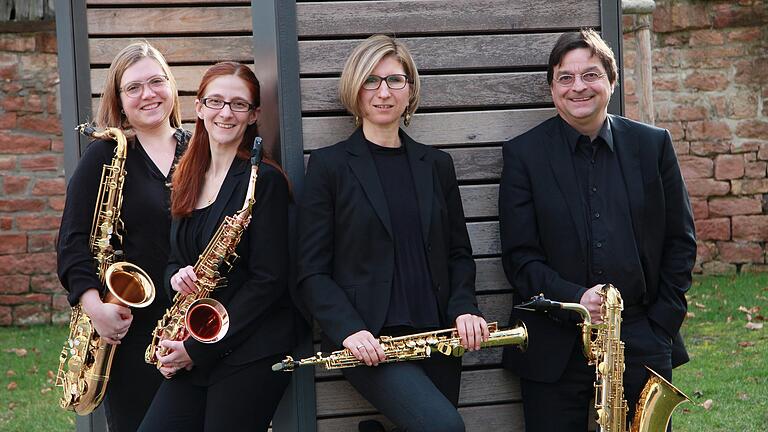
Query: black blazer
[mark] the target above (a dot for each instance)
(543, 235)
(346, 252)
(256, 296)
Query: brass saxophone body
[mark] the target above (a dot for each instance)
(197, 314)
(604, 349)
(85, 360)
(416, 346)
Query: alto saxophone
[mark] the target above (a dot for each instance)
(604, 349)
(85, 359)
(196, 314)
(416, 346)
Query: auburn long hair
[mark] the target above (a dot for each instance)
(190, 174)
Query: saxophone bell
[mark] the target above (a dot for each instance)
(207, 320)
(128, 285)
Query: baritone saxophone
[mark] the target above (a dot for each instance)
(604, 349)
(85, 360)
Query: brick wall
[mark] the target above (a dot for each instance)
(710, 89)
(31, 180)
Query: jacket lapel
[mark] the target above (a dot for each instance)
(627, 147)
(362, 165)
(225, 196)
(565, 175)
(421, 169)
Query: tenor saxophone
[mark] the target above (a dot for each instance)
(197, 314)
(85, 360)
(416, 346)
(604, 349)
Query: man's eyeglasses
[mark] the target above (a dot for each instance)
(568, 80)
(235, 105)
(135, 88)
(394, 82)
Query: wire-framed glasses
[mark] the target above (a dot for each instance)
(134, 88)
(567, 80)
(235, 105)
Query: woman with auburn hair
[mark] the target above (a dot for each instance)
(383, 247)
(228, 385)
(139, 97)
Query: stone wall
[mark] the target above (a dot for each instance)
(710, 89)
(31, 180)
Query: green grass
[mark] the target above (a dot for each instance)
(33, 404)
(732, 376)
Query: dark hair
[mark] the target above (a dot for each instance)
(584, 38)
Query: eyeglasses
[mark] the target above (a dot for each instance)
(135, 88)
(568, 80)
(394, 82)
(235, 105)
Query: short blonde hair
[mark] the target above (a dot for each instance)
(110, 108)
(361, 62)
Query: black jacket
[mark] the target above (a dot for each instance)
(346, 251)
(543, 235)
(256, 296)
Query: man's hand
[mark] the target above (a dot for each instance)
(593, 302)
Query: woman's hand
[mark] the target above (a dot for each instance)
(184, 280)
(176, 359)
(365, 348)
(472, 330)
(110, 321)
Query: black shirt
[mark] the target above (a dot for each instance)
(145, 213)
(612, 255)
(412, 302)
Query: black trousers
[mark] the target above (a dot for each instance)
(241, 401)
(418, 396)
(131, 388)
(564, 405)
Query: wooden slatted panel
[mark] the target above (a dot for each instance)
(483, 65)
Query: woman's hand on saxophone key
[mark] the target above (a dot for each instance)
(365, 348)
(176, 359)
(184, 280)
(472, 331)
(110, 321)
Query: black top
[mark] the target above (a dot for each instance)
(412, 302)
(612, 255)
(145, 212)
(261, 314)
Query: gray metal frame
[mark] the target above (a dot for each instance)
(611, 31)
(276, 62)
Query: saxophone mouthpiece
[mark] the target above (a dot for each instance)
(287, 365)
(86, 129)
(256, 151)
(539, 303)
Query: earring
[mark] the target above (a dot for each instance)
(407, 118)
(122, 111)
(357, 121)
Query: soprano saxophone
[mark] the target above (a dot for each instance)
(416, 346)
(197, 314)
(604, 349)
(85, 360)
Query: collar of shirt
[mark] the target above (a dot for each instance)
(572, 135)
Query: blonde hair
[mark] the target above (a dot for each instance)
(361, 62)
(110, 108)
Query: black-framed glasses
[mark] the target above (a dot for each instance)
(134, 88)
(394, 82)
(567, 80)
(235, 105)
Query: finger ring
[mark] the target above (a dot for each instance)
(360, 346)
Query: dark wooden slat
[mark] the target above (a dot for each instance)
(445, 91)
(187, 77)
(480, 200)
(436, 16)
(482, 386)
(174, 20)
(191, 49)
(440, 53)
(462, 128)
